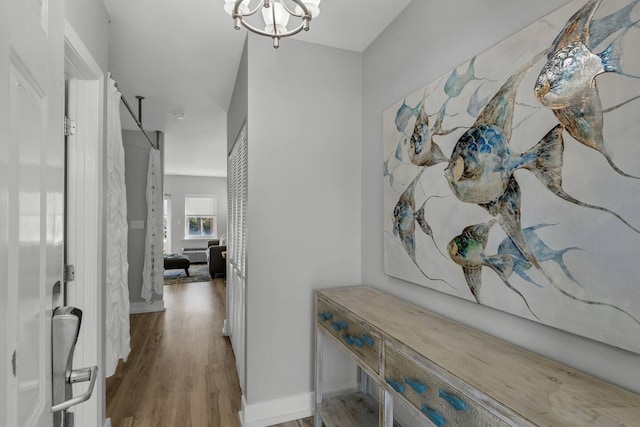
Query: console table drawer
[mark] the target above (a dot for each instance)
(433, 397)
(352, 332)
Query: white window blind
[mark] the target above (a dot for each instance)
(200, 216)
(237, 194)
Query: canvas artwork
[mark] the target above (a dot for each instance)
(513, 181)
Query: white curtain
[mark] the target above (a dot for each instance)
(153, 271)
(117, 294)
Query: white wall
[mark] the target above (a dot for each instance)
(178, 186)
(304, 104)
(428, 39)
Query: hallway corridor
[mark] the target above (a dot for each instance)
(181, 370)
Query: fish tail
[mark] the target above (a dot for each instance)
(617, 169)
(523, 299)
(502, 264)
(611, 56)
(604, 304)
(563, 195)
(431, 278)
(544, 160)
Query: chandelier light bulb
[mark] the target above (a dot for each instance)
(281, 18)
(313, 6)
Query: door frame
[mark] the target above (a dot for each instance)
(85, 209)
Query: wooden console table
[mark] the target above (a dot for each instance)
(446, 373)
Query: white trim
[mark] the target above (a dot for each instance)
(107, 422)
(264, 414)
(147, 307)
(85, 210)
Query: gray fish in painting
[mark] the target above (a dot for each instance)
(468, 251)
(481, 167)
(405, 216)
(567, 82)
(423, 151)
(541, 250)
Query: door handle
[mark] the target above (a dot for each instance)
(79, 375)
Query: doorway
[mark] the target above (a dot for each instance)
(84, 100)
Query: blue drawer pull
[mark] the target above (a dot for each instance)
(395, 385)
(339, 324)
(366, 339)
(347, 338)
(435, 417)
(454, 401)
(418, 387)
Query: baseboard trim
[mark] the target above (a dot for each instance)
(147, 307)
(264, 414)
(107, 422)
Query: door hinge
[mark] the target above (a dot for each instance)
(69, 126)
(69, 273)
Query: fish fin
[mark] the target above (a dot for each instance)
(502, 264)
(473, 276)
(584, 122)
(407, 194)
(479, 232)
(398, 154)
(576, 28)
(506, 210)
(546, 159)
(499, 110)
(436, 155)
(422, 222)
(610, 57)
(521, 266)
(601, 28)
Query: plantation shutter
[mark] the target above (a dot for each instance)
(237, 192)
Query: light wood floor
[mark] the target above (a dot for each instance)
(181, 370)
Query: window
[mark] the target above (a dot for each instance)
(200, 216)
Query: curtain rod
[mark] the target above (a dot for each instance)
(138, 119)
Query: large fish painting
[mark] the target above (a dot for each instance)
(523, 175)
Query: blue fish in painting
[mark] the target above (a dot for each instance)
(468, 251)
(455, 84)
(541, 250)
(567, 82)
(405, 217)
(404, 114)
(476, 104)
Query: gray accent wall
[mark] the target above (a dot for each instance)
(136, 155)
(304, 114)
(179, 186)
(428, 39)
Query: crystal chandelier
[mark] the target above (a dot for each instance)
(275, 16)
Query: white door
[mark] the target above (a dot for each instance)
(31, 203)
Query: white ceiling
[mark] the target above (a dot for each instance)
(184, 55)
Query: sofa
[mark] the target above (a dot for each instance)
(217, 263)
